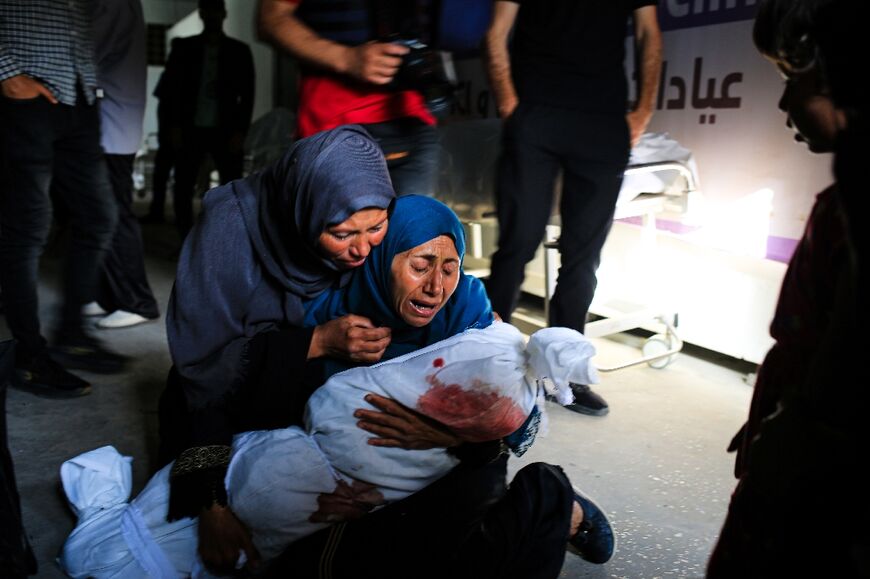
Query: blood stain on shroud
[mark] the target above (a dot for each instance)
(477, 413)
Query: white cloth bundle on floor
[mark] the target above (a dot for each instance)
(483, 384)
(114, 538)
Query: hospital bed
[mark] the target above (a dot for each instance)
(664, 180)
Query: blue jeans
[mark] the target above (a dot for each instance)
(412, 151)
(45, 146)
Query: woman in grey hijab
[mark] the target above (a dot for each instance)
(263, 245)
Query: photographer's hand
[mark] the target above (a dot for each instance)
(374, 62)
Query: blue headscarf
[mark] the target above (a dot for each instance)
(251, 258)
(414, 221)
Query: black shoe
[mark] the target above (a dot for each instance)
(82, 352)
(594, 540)
(587, 402)
(45, 377)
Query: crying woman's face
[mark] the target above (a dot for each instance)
(423, 279)
(348, 244)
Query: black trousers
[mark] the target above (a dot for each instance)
(164, 160)
(45, 146)
(464, 526)
(196, 144)
(123, 283)
(591, 151)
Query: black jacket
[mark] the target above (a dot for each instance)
(179, 86)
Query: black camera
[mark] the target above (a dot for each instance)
(427, 71)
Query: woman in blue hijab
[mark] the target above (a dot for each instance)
(421, 319)
(413, 283)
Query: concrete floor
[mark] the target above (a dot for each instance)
(656, 463)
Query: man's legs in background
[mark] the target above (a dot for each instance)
(229, 157)
(593, 176)
(27, 135)
(42, 144)
(524, 198)
(123, 288)
(188, 160)
(81, 182)
(164, 160)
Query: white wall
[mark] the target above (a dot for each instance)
(240, 24)
(167, 11)
(748, 147)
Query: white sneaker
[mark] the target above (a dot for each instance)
(121, 319)
(92, 310)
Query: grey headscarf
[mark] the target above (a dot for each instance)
(251, 259)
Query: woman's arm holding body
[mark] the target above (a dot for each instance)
(397, 426)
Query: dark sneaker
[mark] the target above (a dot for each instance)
(82, 352)
(595, 540)
(587, 402)
(45, 377)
